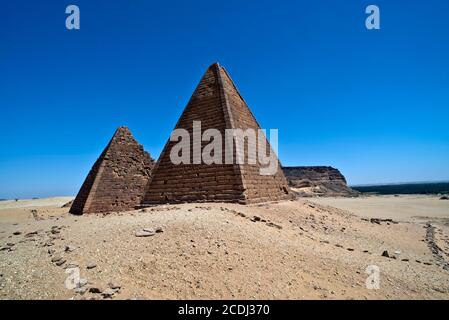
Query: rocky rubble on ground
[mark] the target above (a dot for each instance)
(286, 250)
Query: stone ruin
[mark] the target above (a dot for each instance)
(217, 103)
(125, 177)
(118, 178)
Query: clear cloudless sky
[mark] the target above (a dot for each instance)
(374, 104)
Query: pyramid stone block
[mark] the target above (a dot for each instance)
(217, 103)
(118, 178)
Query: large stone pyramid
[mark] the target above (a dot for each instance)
(118, 178)
(217, 103)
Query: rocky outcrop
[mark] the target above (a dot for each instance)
(317, 181)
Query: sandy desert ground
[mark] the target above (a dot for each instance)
(303, 249)
(404, 207)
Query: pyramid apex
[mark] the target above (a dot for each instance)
(214, 65)
(123, 128)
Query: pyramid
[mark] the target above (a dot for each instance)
(217, 103)
(118, 178)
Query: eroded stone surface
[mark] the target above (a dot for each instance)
(217, 103)
(118, 178)
(318, 180)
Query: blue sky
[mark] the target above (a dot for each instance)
(374, 104)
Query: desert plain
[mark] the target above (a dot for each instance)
(308, 248)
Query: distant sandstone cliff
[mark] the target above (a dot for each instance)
(318, 181)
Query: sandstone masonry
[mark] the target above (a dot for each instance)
(118, 178)
(217, 103)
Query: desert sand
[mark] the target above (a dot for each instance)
(403, 207)
(302, 249)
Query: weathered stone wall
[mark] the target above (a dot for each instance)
(196, 182)
(258, 188)
(217, 104)
(118, 178)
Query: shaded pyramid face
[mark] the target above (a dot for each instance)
(217, 103)
(118, 178)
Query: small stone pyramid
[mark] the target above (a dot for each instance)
(118, 178)
(217, 103)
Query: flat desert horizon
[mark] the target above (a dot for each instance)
(309, 248)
